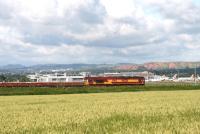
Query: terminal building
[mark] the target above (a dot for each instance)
(147, 75)
(56, 78)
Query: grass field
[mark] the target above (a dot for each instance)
(127, 112)
(79, 90)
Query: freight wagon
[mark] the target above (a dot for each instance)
(41, 84)
(88, 81)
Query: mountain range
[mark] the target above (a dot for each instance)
(159, 66)
(120, 66)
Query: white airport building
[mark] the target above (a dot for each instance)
(56, 78)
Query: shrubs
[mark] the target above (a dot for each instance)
(78, 90)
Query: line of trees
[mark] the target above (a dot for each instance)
(13, 78)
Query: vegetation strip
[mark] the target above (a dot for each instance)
(79, 90)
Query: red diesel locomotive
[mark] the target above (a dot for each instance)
(114, 81)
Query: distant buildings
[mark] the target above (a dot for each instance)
(145, 74)
(149, 77)
(55, 78)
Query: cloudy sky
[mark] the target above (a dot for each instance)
(99, 31)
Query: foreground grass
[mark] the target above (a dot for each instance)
(78, 90)
(129, 112)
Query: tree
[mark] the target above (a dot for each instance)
(2, 78)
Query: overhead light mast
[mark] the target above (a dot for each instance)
(195, 74)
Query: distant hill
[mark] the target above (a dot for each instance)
(12, 66)
(17, 68)
(158, 66)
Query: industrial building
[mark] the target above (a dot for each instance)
(57, 77)
(147, 75)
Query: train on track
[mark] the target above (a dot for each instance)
(88, 81)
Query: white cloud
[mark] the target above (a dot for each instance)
(119, 8)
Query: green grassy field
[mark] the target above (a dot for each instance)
(127, 112)
(78, 90)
